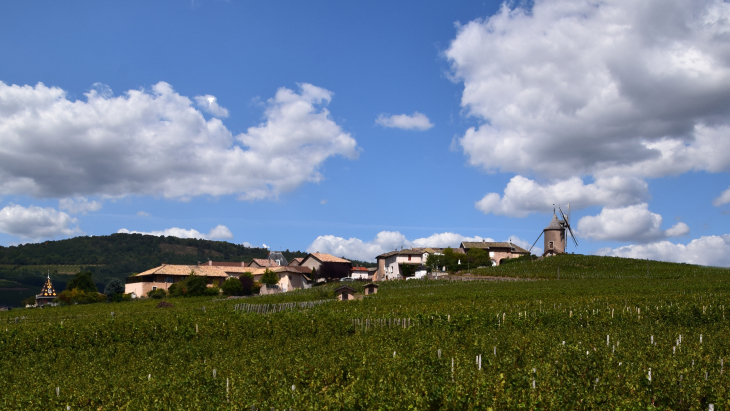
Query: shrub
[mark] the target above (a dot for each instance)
(269, 277)
(193, 285)
(28, 301)
(212, 291)
(157, 294)
(246, 280)
(232, 286)
(76, 296)
(164, 304)
(196, 285)
(256, 288)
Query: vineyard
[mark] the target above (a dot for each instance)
(595, 343)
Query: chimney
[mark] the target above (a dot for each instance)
(210, 263)
(198, 262)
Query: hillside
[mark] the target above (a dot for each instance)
(423, 344)
(570, 266)
(116, 255)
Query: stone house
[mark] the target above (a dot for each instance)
(498, 251)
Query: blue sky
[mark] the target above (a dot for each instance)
(270, 123)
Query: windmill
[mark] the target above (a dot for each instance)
(555, 235)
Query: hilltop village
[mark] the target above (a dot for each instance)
(275, 274)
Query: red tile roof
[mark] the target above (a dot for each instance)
(328, 258)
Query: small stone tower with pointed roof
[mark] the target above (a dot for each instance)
(555, 240)
(47, 295)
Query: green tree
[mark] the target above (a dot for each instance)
(114, 290)
(195, 285)
(232, 286)
(82, 282)
(478, 257)
(269, 277)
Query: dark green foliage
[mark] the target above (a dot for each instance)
(132, 250)
(157, 294)
(82, 282)
(478, 258)
(176, 289)
(114, 290)
(195, 285)
(79, 296)
(192, 286)
(212, 291)
(269, 277)
(448, 259)
(246, 280)
(407, 270)
(232, 286)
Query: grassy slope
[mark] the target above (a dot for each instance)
(103, 361)
(590, 266)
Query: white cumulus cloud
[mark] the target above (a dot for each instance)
(416, 121)
(386, 241)
(579, 87)
(35, 222)
(523, 196)
(633, 223)
(707, 250)
(209, 104)
(154, 142)
(219, 232)
(723, 199)
(79, 205)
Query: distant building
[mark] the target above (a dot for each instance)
(263, 263)
(327, 265)
(389, 264)
(296, 261)
(225, 264)
(555, 240)
(359, 273)
(370, 289)
(164, 276)
(290, 277)
(498, 251)
(47, 295)
(278, 257)
(345, 292)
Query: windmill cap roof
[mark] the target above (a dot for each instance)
(555, 224)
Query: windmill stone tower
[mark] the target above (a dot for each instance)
(555, 240)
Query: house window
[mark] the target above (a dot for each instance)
(550, 245)
(409, 258)
(154, 288)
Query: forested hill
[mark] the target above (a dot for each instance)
(127, 249)
(116, 255)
